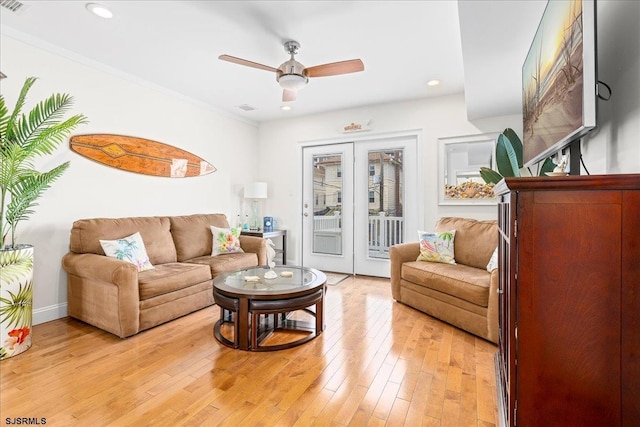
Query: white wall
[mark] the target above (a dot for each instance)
(613, 147)
(118, 105)
(280, 155)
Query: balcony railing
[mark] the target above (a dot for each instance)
(384, 232)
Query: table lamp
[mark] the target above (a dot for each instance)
(255, 191)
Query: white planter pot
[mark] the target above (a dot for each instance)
(16, 298)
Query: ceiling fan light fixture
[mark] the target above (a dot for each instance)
(293, 82)
(99, 10)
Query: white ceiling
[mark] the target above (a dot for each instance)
(403, 44)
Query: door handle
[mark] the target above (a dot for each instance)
(306, 214)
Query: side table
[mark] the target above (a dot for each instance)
(268, 235)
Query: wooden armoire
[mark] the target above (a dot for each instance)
(569, 312)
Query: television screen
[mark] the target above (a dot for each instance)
(559, 79)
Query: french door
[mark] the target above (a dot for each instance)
(359, 198)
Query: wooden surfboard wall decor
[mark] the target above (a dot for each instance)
(140, 155)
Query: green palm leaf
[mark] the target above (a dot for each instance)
(516, 143)
(4, 117)
(506, 157)
(24, 137)
(25, 192)
(490, 176)
(15, 265)
(547, 166)
(16, 310)
(509, 159)
(8, 130)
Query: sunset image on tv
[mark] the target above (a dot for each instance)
(553, 79)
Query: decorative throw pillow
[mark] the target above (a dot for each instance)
(130, 249)
(437, 246)
(225, 240)
(493, 262)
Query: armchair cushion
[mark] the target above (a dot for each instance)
(461, 281)
(475, 239)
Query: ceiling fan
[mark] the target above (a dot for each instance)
(293, 76)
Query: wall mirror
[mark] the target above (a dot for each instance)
(461, 158)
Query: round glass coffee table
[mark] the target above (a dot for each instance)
(259, 306)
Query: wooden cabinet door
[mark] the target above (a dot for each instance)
(568, 308)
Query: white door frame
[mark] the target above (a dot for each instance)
(355, 138)
(364, 262)
(342, 260)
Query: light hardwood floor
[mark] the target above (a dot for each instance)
(377, 363)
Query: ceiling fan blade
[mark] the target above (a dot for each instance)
(335, 68)
(241, 61)
(288, 95)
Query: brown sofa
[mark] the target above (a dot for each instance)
(462, 294)
(112, 295)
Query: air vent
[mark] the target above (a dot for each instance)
(12, 5)
(246, 107)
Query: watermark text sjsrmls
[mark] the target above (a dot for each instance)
(25, 421)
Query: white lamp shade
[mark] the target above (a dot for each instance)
(255, 190)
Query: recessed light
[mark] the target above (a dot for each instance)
(99, 10)
(433, 82)
(285, 107)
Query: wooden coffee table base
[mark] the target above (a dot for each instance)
(251, 329)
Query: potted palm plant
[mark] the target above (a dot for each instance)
(23, 137)
(509, 159)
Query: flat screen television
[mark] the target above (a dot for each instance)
(559, 79)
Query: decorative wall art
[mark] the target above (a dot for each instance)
(460, 160)
(140, 155)
(360, 126)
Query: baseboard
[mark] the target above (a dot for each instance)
(47, 314)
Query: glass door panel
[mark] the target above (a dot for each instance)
(327, 214)
(385, 200)
(327, 204)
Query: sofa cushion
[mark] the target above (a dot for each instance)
(225, 240)
(227, 262)
(130, 249)
(468, 283)
(87, 233)
(171, 277)
(475, 240)
(192, 234)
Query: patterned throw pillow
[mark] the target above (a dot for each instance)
(225, 241)
(130, 249)
(437, 246)
(493, 262)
